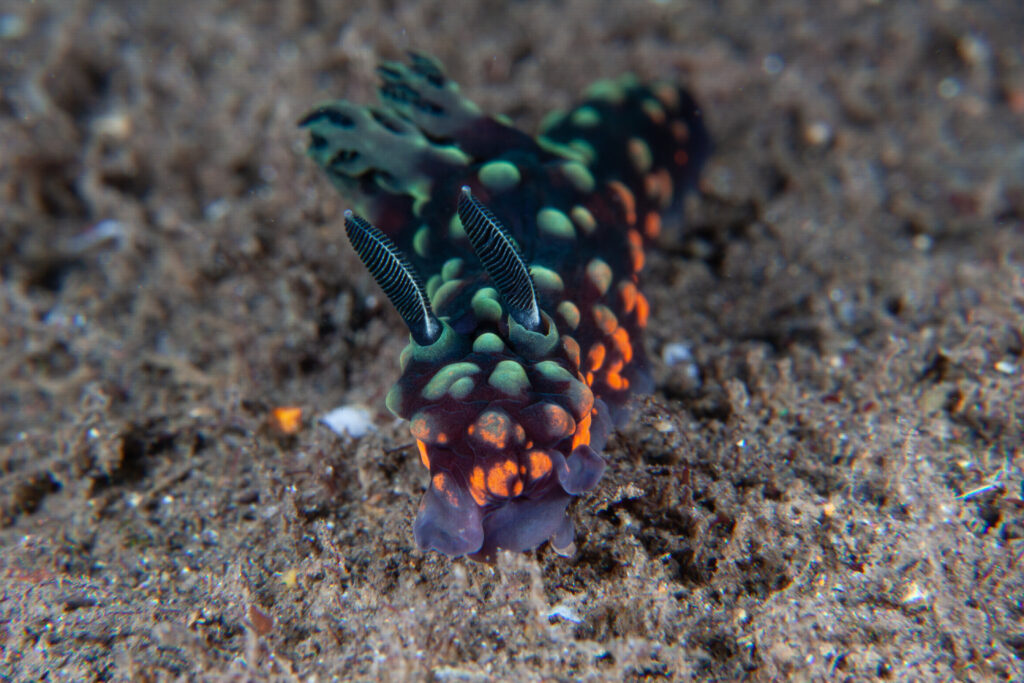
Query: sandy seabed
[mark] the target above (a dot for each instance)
(828, 487)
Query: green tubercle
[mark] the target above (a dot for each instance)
(499, 176)
(446, 377)
(461, 388)
(445, 293)
(452, 154)
(393, 400)
(451, 269)
(434, 283)
(580, 176)
(509, 378)
(570, 314)
(584, 219)
(455, 229)
(585, 117)
(562, 150)
(607, 90)
(547, 279)
(553, 372)
(554, 223)
(486, 306)
(583, 150)
(488, 342)
(421, 242)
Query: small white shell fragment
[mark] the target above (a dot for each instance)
(565, 613)
(676, 353)
(1006, 367)
(352, 420)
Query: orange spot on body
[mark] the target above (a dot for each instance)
(477, 487)
(582, 435)
(501, 479)
(658, 186)
(520, 434)
(540, 464)
(492, 428)
(572, 350)
(420, 429)
(443, 487)
(636, 250)
(589, 379)
(424, 457)
(614, 379)
(652, 225)
(286, 419)
(595, 357)
(605, 319)
(627, 296)
(643, 310)
(620, 338)
(626, 199)
(558, 423)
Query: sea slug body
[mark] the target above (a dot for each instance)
(515, 262)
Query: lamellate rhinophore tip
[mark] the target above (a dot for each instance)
(500, 257)
(396, 276)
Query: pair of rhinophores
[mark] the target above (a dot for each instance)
(525, 335)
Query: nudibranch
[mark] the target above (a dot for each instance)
(525, 335)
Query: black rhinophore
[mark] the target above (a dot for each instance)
(396, 276)
(501, 259)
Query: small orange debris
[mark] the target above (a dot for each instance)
(286, 419)
(260, 621)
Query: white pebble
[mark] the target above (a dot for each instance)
(352, 420)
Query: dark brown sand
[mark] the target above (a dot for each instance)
(831, 490)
